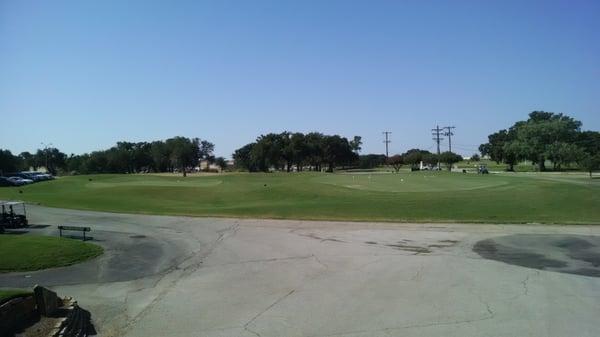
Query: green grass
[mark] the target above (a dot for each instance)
(27, 253)
(375, 196)
(525, 166)
(7, 294)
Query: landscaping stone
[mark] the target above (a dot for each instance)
(47, 301)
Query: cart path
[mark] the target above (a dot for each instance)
(181, 276)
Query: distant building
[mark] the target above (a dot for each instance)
(203, 165)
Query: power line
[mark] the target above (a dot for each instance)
(436, 137)
(449, 133)
(386, 141)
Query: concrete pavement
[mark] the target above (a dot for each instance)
(231, 277)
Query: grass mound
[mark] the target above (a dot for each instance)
(27, 253)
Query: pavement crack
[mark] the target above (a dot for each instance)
(525, 282)
(274, 259)
(418, 276)
(320, 262)
(490, 314)
(246, 326)
(184, 271)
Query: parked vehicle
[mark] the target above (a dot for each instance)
(23, 175)
(22, 178)
(34, 176)
(5, 182)
(13, 214)
(44, 176)
(31, 175)
(20, 181)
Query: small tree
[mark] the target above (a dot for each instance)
(449, 158)
(356, 144)
(396, 162)
(430, 159)
(205, 151)
(589, 162)
(221, 163)
(413, 158)
(475, 157)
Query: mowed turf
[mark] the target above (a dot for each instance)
(406, 196)
(7, 294)
(27, 253)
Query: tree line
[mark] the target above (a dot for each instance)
(51, 158)
(294, 150)
(545, 136)
(174, 154)
(414, 158)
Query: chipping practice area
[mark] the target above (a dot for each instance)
(426, 196)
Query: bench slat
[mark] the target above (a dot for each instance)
(75, 228)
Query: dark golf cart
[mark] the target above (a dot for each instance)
(13, 215)
(482, 169)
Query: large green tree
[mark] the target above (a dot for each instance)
(589, 142)
(284, 150)
(243, 159)
(543, 136)
(184, 152)
(206, 151)
(543, 129)
(414, 157)
(9, 162)
(494, 148)
(52, 159)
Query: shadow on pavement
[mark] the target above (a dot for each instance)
(572, 254)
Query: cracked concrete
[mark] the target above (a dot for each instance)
(234, 277)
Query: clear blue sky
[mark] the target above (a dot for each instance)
(85, 74)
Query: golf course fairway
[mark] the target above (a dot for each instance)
(360, 196)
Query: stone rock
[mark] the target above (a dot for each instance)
(15, 313)
(46, 300)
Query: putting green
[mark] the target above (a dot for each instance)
(405, 196)
(410, 182)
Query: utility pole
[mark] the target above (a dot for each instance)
(449, 133)
(387, 142)
(46, 147)
(436, 136)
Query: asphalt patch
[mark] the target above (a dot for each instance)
(572, 254)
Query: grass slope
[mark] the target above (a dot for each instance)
(407, 196)
(7, 294)
(27, 253)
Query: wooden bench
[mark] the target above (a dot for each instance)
(74, 228)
